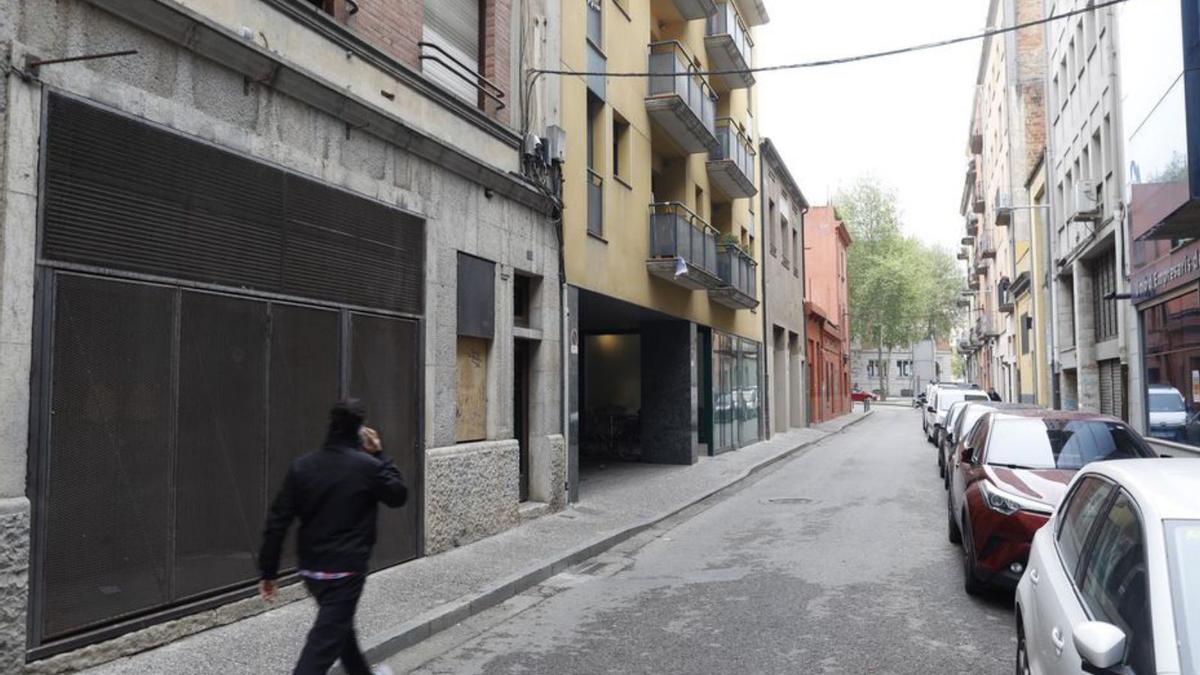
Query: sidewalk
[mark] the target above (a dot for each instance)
(404, 605)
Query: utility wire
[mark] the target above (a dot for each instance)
(847, 59)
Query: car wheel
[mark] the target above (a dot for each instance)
(941, 463)
(946, 477)
(971, 583)
(954, 534)
(1023, 667)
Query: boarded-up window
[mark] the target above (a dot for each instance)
(471, 415)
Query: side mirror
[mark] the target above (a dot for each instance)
(1101, 646)
(967, 456)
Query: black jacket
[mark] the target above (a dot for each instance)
(333, 492)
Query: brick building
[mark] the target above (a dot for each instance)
(827, 318)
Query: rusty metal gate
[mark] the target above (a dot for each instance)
(198, 313)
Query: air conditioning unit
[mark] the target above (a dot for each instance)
(1087, 201)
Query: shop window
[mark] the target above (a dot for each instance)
(1172, 332)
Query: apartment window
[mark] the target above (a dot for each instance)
(455, 29)
(595, 23)
(621, 148)
(1026, 327)
(797, 254)
(338, 9)
(1104, 282)
(1090, 30)
(1081, 58)
(476, 330)
(784, 240)
(776, 244)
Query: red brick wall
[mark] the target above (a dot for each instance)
(395, 27)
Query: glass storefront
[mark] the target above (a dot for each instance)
(736, 391)
(1172, 339)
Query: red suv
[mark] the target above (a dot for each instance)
(1009, 474)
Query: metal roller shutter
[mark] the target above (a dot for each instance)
(454, 25)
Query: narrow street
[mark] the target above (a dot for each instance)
(835, 561)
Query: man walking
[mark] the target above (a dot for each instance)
(334, 492)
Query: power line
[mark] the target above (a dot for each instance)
(846, 59)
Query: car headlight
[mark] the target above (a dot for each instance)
(1008, 503)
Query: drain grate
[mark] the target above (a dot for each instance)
(789, 500)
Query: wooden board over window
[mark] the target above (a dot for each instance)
(471, 415)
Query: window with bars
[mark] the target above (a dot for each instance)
(1104, 282)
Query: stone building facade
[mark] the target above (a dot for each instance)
(783, 208)
(268, 205)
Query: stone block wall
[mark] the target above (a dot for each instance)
(472, 492)
(14, 570)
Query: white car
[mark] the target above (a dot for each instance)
(1168, 412)
(941, 405)
(1113, 580)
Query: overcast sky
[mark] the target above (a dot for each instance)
(903, 119)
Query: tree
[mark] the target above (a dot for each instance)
(902, 291)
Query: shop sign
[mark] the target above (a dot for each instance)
(1150, 282)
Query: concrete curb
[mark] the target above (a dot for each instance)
(444, 616)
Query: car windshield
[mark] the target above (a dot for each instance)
(1165, 401)
(945, 398)
(1033, 443)
(1183, 553)
(969, 417)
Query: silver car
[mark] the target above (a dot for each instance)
(1113, 581)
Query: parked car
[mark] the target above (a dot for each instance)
(1112, 583)
(1012, 471)
(1168, 413)
(857, 395)
(957, 429)
(941, 405)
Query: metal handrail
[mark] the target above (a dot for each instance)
(681, 210)
(738, 22)
(692, 69)
(747, 145)
(485, 86)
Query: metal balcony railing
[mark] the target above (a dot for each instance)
(675, 78)
(987, 245)
(737, 271)
(595, 203)
(677, 232)
(485, 90)
(731, 166)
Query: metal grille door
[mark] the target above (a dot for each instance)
(383, 372)
(108, 485)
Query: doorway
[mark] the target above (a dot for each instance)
(521, 361)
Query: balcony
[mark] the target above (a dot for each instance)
(978, 206)
(987, 246)
(980, 265)
(988, 326)
(1003, 206)
(973, 282)
(1004, 296)
(729, 45)
(683, 248)
(972, 225)
(680, 99)
(964, 302)
(731, 168)
(967, 241)
(695, 9)
(595, 203)
(736, 269)
(963, 254)
(976, 142)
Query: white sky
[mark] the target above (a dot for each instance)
(903, 119)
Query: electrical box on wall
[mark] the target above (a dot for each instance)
(555, 144)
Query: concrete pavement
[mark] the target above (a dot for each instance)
(407, 604)
(834, 561)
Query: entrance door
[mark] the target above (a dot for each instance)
(705, 392)
(521, 410)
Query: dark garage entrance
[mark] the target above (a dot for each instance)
(198, 313)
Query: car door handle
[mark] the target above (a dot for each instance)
(1033, 575)
(1056, 637)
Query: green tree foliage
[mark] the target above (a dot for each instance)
(902, 291)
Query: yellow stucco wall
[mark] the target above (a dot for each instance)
(616, 264)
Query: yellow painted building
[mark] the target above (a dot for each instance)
(662, 215)
(1032, 298)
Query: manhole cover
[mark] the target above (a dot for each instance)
(790, 500)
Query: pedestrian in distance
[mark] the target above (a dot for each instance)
(334, 492)
(992, 394)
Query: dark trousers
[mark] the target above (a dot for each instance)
(332, 636)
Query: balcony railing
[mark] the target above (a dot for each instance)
(595, 203)
(1004, 296)
(731, 167)
(680, 99)
(988, 326)
(737, 271)
(683, 247)
(963, 254)
(987, 245)
(972, 225)
(460, 78)
(729, 45)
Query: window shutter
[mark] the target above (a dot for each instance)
(454, 25)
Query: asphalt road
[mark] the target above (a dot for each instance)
(835, 561)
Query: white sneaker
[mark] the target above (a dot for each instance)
(382, 670)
